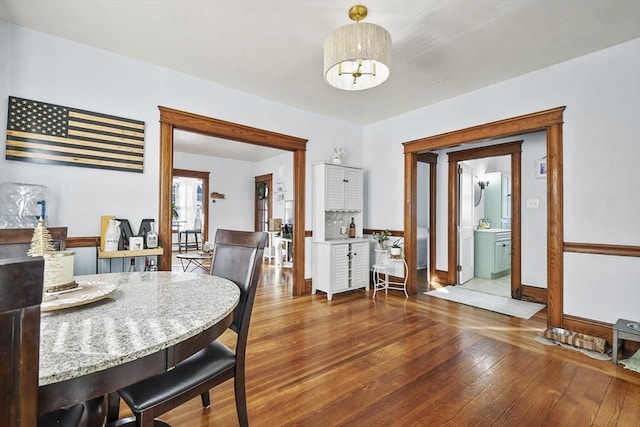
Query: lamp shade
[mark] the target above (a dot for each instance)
(357, 56)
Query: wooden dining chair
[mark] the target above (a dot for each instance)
(237, 257)
(21, 282)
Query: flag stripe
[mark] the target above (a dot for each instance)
(85, 143)
(61, 161)
(102, 118)
(92, 136)
(48, 133)
(76, 160)
(55, 148)
(134, 135)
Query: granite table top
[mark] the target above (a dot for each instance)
(147, 313)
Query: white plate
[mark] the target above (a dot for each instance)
(86, 293)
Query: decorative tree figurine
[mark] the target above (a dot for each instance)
(41, 242)
(54, 270)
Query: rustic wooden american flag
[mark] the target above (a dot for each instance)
(40, 132)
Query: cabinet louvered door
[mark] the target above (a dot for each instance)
(359, 265)
(340, 267)
(353, 189)
(334, 188)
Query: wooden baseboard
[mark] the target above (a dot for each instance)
(597, 329)
(307, 286)
(440, 277)
(534, 294)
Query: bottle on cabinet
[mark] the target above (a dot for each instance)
(352, 228)
(112, 236)
(152, 237)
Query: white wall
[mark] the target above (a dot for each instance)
(601, 150)
(281, 167)
(601, 142)
(37, 66)
(234, 179)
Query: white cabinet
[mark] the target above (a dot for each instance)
(340, 266)
(492, 253)
(339, 263)
(337, 197)
(502, 252)
(343, 187)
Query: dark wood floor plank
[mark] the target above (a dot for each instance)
(574, 406)
(613, 411)
(377, 392)
(630, 412)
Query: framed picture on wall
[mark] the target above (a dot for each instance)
(541, 168)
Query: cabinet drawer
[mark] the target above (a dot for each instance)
(502, 236)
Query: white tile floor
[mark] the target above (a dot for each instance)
(500, 286)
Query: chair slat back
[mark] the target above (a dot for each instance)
(15, 242)
(21, 282)
(237, 257)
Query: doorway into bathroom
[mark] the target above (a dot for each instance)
(487, 204)
(485, 224)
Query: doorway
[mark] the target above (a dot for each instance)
(263, 202)
(188, 206)
(425, 248)
(492, 192)
(548, 121)
(171, 119)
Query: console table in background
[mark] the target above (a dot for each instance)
(124, 254)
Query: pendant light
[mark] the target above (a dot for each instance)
(357, 56)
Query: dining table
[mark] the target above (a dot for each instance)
(144, 324)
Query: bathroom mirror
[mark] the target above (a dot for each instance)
(477, 192)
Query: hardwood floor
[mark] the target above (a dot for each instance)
(419, 361)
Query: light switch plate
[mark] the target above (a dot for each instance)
(533, 203)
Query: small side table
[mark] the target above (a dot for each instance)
(195, 261)
(622, 331)
(382, 267)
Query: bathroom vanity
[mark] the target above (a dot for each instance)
(492, 252)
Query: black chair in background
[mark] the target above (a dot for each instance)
(237, 257)
(196, 231)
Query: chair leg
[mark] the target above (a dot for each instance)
(206, 400)
(144, 419)
(241, 400)
(94, 412)
(113, 407)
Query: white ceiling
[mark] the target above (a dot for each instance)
(189, 142)
(274, 49)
